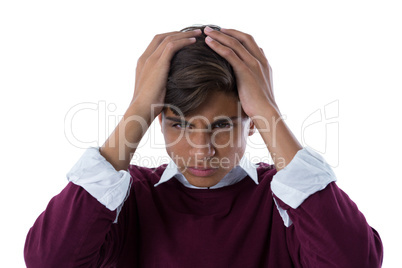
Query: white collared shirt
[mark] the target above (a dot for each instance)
(305, 175)
(238, 173)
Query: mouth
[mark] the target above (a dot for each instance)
(201, 171)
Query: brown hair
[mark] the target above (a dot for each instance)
(195, 71)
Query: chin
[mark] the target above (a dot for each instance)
(202, 181)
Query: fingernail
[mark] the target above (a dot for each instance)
(209, 39)
(208, 29)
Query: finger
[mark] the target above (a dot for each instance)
(148, 52)
(160, 61)
(156, 68)
(172, 38)
(247, 41)
(235, 45)
(227, 53)
(170, 48)
(156, 43)
(158, 39)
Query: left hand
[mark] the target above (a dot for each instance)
(252, 70)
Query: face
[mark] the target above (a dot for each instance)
(210, 142)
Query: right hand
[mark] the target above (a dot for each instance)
(153, 69)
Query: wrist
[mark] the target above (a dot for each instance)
(148, 112)
(267, 120)
(261, 107)
(279, 139)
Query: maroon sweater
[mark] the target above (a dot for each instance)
(174, 226)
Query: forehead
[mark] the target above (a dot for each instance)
(218, 104)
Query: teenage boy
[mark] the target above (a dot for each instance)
(209, 207)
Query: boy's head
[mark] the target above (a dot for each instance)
(203, 124)
(195, 72)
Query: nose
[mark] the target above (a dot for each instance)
(201, 146)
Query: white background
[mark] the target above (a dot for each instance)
(54, 55)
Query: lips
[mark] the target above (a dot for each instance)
(201, 171)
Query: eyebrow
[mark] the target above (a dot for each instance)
(222, 120)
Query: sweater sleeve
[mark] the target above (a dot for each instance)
(100, 179)
(77, 228)
(70, 232)
(327, 229)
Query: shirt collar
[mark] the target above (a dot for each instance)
(244, 168)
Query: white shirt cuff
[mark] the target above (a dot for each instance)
(284, 215)
(306, 174)
(100, 179)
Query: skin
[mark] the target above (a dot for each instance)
(217, 131)
(254, 82)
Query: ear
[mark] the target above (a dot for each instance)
(160, 117)
(252, 129)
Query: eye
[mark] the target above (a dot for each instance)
(180, 126)
(223, 125)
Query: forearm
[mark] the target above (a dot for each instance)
(119, 148)
(279, 139)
